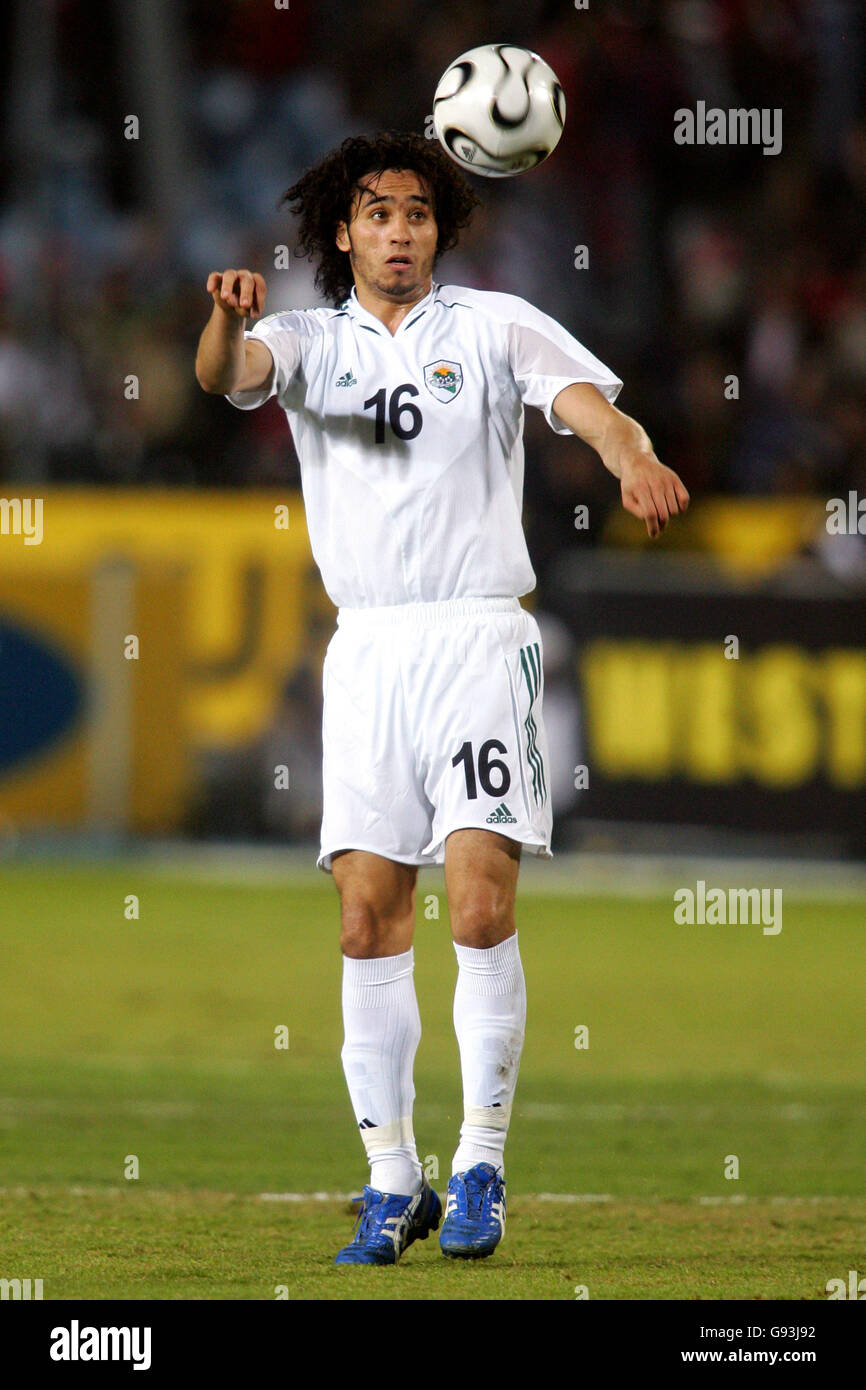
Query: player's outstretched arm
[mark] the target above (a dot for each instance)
(650, 491)
(225, 361)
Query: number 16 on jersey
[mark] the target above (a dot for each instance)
(397, 410)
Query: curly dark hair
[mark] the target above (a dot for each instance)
(323, 196)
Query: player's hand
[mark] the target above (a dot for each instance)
(238, 292)
(650, 491)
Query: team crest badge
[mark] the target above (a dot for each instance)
(443, 380)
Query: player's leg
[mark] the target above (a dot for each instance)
(381, 1016)
(380, 1011)
(375, 820)
(382, 1031)
(481, 869)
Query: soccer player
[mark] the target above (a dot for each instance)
(405, 401)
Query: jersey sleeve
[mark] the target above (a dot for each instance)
(545, 358)
(283, 336)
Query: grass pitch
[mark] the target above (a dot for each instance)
(148, 1046)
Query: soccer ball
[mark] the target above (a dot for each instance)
(498, 110)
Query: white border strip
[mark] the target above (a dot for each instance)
(562, 1198)
(569, 874)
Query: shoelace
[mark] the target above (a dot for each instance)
(365, 1220)
(475, 1194)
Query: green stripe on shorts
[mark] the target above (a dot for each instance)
(530, 660)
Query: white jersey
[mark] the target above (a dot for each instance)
(411, 444)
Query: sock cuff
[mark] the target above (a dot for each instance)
(496, 970)
(364, 981)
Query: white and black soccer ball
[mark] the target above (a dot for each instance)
(498, 110)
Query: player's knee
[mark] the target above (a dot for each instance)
(359, 930)
(483, 920)
(366, 932)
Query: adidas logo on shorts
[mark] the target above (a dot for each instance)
(501, 816)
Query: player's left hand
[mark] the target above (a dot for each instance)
(651, 491)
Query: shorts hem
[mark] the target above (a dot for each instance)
(327, 854)
(540, 848)
(534, 846)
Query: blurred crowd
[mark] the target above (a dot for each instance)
(725, 286)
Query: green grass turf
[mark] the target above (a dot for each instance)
(155, 1038)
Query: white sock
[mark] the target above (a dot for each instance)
(382, 1031)
(489, 1020)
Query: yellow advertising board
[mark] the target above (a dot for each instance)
(92, 702)
(226, 601)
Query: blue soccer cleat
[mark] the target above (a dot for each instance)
(474, 1213)
(387, 1225)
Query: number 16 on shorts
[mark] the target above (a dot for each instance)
(490, 771)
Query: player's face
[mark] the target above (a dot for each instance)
(391, 236)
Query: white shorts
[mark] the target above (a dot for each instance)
(432, 723)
